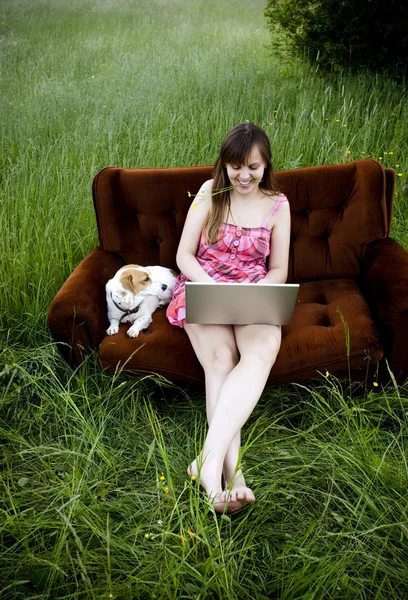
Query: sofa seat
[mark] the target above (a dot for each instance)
(316, 329)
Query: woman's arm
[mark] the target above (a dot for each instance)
(280, 242)
(190, 238)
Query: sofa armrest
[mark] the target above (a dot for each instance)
(77, 316)
(385, 280)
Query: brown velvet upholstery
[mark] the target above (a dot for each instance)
(353, 276)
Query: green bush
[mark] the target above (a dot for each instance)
(351, 34)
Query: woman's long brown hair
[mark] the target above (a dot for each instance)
(235, 148)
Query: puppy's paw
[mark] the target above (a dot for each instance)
(112, 330)
(133, 331)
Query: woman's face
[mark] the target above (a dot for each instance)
(248, 175)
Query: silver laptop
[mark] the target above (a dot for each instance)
(240, 303)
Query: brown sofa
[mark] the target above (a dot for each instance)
(353, 276)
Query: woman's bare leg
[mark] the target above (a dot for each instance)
(258, 346)
(233, 476)
(216, 350)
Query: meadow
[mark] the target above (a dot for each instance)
(95, 501)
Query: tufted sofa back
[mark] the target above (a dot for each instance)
(336, 210)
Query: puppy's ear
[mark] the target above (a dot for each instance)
(138, 281)
(134, 284)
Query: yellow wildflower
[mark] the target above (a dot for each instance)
(162, 478)
(183, 541)
(166, 490)
(191, 533)
(399, 174)
(193, 477)
(327, 373)
(375, 384)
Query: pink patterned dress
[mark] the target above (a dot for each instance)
(238, 256)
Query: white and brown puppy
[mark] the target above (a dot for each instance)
(134, 293)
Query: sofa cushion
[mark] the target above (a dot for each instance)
(316, 331)
(316, 338)
(140, 213)
(336, 210)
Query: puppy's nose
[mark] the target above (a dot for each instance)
(164, 286)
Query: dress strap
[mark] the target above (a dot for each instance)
(281, 198)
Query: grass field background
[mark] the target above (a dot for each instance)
(95, 502)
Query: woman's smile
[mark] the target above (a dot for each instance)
(245, 183)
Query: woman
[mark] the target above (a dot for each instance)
(237, 229)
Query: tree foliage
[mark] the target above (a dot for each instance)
(343, 33)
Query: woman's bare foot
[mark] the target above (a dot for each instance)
(237, 491)
(208, 477)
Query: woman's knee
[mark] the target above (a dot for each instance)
(222, 358)
(264, 349)
(215, 347)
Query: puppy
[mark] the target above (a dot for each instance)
(134, 293)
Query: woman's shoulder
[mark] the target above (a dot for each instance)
(203, 197)
(277, 196)
(205, 190)
(278, 199)
(280, 207)
(207, 185)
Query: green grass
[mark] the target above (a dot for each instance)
(84, 514)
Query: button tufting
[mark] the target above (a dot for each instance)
(236, 243)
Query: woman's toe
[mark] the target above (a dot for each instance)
(228, 507)
(249, 495)
(244, 494)
(232, 496)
